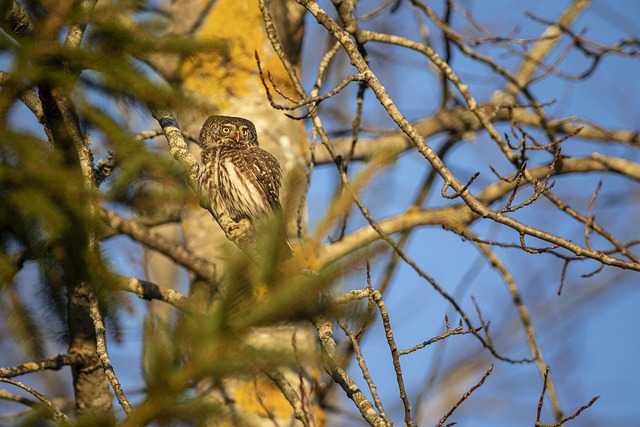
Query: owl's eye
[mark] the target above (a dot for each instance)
(245, 132)
(226, 129)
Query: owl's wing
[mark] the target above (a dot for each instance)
(266, 170)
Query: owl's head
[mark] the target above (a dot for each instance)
(228, 131)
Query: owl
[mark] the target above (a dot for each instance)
(236, 175)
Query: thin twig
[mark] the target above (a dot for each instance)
(264, 407)
(449, 332)
(365, 371)
(290, 394)
(310, 100)
(465, 396)
(101, 343)
(545, 379)
(384, 314)
(58, 415)
(304, 396)
(588, 224)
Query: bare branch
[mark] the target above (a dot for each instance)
(588, 224)
(154, 220)
(151, 291)
(545, 376)
(563, 420)
(54, 363)
(16, 19)
(332, 366)
(465, 397)
(58, 415)
(173, 250)
(27, 95)
(377, 298)
(365, 371)
(104, 356)
(459, 192)
(450, 332)
(290, 394)
(572, 416)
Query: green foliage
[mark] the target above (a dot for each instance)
(21, 322)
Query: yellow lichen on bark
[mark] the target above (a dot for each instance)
(263, 398)
(228, 70)
(260, 396)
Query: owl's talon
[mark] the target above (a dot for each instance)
(239, 229)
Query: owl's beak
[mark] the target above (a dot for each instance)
(237, 136)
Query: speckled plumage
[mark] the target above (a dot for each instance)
(236, 175)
